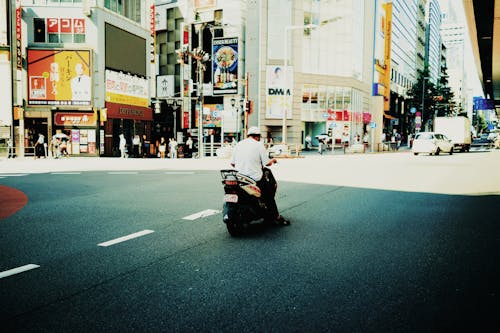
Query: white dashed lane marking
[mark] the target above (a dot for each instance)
(18, 270)
(125, 238)
(205, 213)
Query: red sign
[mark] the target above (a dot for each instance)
(19, 55)
(79, 26)
(65, 25)
(74, 119)
(185, 118)
(367, 117)
(123, 111)
(152, 19)
(52, 25)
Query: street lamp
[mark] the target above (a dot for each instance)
(285, 63)
(200, 57)
(423, 99)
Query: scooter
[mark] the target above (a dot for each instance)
(243, 203)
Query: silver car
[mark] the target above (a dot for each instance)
(431, 143)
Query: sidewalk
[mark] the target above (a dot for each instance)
(74, 164)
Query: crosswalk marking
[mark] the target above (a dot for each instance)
(125, 238)
(204, 213)
(18, 270)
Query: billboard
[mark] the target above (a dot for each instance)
(275, 92)
(123, 88)
(225, 65)
(59, 77)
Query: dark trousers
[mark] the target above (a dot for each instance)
(268, 185)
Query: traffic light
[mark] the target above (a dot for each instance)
(248, 107)
(181, 55)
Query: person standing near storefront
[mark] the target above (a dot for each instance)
(10, 146)
(40, 146)
(162, 147)
(136, 143)
(122, 146)
(173, 148)
(145, 146)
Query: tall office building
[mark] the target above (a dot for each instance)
(433, 40)
(407, 57)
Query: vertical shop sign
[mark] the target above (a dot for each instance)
(225, 65)
(19, 56)
(152, 32)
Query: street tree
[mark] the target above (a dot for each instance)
(445, 105)
(423, 87)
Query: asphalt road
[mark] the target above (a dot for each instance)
(389, 256)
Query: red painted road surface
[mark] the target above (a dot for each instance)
(11, 200)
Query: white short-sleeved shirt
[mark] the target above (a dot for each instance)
(249, 156)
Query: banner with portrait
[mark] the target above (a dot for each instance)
(278, 92)
(59, 77)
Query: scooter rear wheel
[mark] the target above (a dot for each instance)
(235, 229)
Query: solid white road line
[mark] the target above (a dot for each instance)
(18, 270)
(123, 173)
(14, 174)
(125, 238)
(66, 173)
(201, 214)
(179, 172)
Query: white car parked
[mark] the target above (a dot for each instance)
(431, 143)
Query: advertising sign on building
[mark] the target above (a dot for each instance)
(165, 86)
(75, 119)
(19, 55)
(123, 88)
(278, 92)
(225, 65)
(59, 77)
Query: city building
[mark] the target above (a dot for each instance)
(433, 41)
(201, 71)
(81, 71)
(407, 58)
(310, 66)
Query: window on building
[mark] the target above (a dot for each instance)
(39, 27)
(129, 8)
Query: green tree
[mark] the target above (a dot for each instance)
(444, 96)
(415, 94)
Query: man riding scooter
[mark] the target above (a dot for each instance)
(249, 158)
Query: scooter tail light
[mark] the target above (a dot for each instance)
(231, 182)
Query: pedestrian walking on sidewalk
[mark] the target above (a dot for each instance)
(40, 146)
(173, 148)
(162, 147)
(122, 146)
(10, 146)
